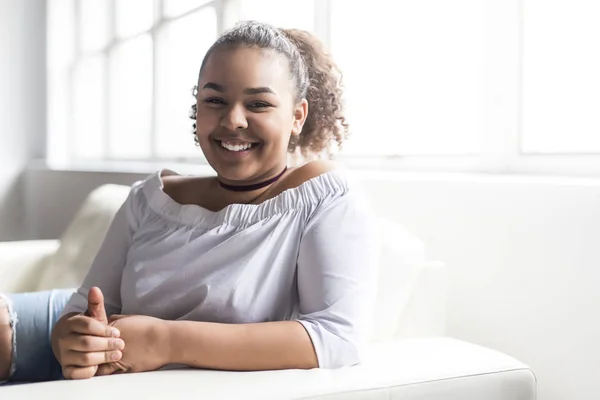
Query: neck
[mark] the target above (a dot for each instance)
(253, 187)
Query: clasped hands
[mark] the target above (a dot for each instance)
(91, 344)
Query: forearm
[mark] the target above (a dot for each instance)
(241, 347)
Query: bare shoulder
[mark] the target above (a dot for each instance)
(182, 188)
(315, 168)
(307, 172)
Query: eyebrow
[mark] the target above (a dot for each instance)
(258, 90)
(214, 86)
(220, 88)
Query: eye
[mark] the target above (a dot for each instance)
(259, 104)
(214, 101)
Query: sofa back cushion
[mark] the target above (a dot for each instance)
(82, 238)
(401, 261)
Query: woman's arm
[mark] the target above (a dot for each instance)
(152, 343)
(240, 347)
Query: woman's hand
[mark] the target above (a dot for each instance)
(147, 344)
(81, 343)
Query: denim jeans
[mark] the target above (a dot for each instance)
(32, 317)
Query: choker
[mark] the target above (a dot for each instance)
(249, 188)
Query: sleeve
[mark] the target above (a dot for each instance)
(337, 266)
(107, 268)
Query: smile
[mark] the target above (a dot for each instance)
(236, 146)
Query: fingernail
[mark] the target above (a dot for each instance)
(115, 333)
(120, 343)
(116, 356)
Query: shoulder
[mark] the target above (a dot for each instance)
(172, 183)
(308, 171)
(338, 187)
(315, 168)
(184, 189)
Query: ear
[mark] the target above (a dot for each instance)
(300, 114)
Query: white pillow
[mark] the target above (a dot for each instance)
(82, 239)
(402, 257)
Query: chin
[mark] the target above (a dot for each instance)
(233, 171)
(235, 174)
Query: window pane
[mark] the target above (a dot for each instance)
(61, 30)
(561, 83)
(58, 116)
(173, 8)
(280, 13)
(133, 16)
(93, 24)
(413, 73)
(87, 138)
(131, 99)
(181, 48)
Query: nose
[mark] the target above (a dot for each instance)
(234, 118)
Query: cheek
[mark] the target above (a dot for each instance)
(273, 127)
(205, 123)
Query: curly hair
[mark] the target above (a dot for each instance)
(314, 73)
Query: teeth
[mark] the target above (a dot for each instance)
(236, 147)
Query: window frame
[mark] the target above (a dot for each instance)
(500, 137)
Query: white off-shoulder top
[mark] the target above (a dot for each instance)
(308, 254)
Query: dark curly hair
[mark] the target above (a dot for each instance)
(316, 77)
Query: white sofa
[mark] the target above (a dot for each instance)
(409, 357)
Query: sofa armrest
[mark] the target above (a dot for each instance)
(21, 263)
(408, 369)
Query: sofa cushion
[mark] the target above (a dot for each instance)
(82, 239)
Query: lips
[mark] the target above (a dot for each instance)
(235, 148)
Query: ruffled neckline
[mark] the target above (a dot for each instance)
(329, 184)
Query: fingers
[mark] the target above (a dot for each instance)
(88, 343)
(89, 326)
(96, 308)
(85, 342)
(82, 354)
(108, 369)
(72, 372)
(90, 359)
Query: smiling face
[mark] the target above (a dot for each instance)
(246, 113)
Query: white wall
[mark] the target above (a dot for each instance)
(523, 256)
(22, 104)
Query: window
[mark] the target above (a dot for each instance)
(415, 72)
(120, 74)
(463, 85)
(561, 83)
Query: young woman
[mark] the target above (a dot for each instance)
(263, 267)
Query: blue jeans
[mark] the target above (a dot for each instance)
(32, 317)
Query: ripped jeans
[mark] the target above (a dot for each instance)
(32, 317)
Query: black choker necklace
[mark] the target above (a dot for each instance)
(249, 188)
